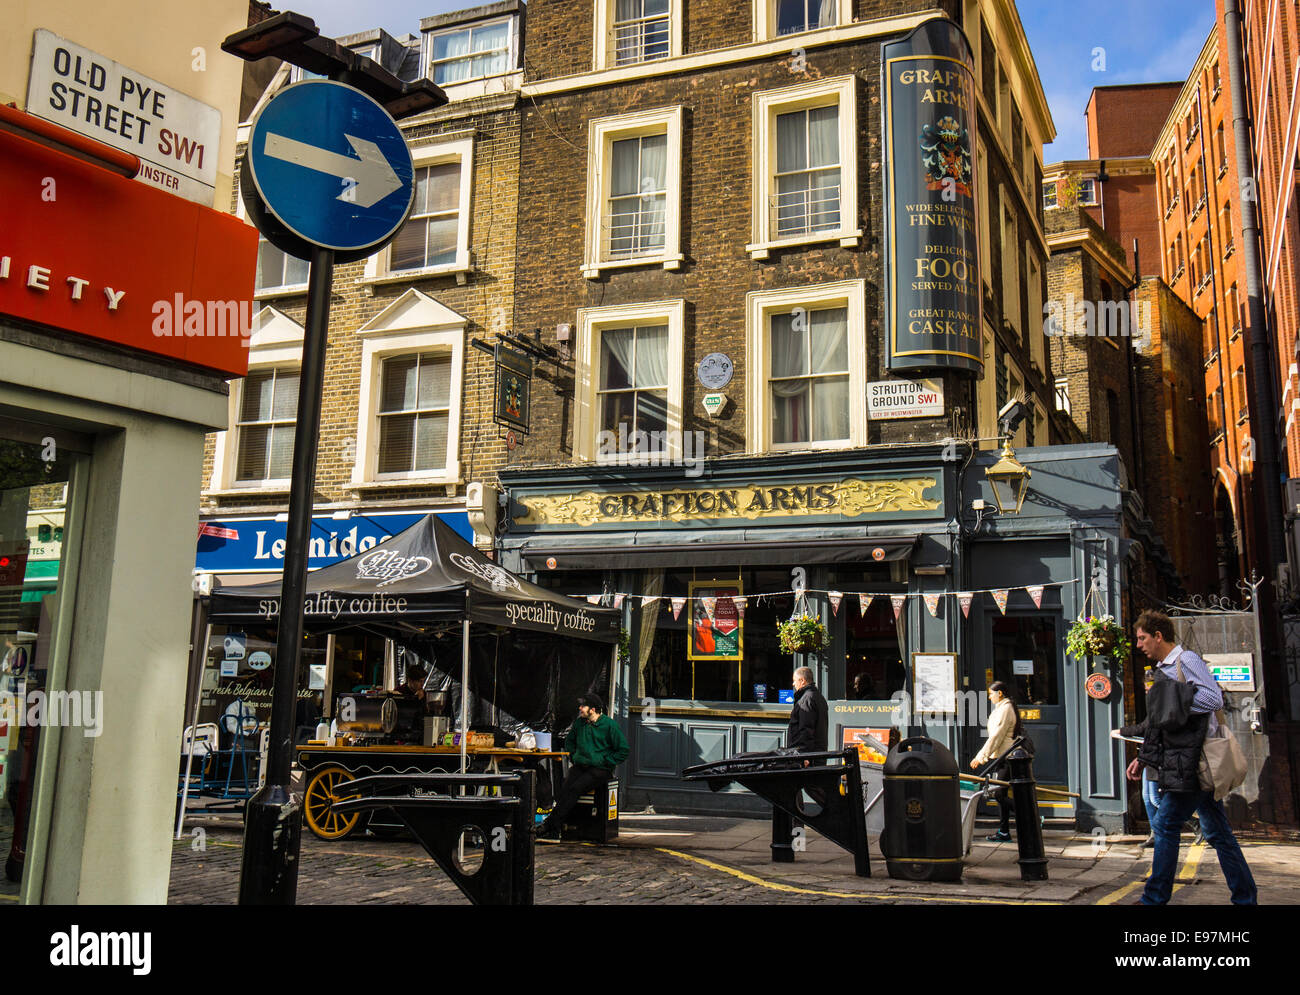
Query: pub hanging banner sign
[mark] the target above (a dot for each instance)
(931, 253)
(514, 380)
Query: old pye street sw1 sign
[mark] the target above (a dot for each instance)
(331, 165)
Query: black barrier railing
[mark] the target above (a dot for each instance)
(836, 810)
(444, 821)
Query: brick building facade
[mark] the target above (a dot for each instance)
(1200, 229)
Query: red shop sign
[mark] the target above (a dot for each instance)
(89, 251)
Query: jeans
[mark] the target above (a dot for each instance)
(1151, 799)
(1176, 807)
(579, 781)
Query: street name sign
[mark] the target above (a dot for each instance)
(332, 166)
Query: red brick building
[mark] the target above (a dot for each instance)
(1200, 234)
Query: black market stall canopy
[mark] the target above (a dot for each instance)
(426, 574)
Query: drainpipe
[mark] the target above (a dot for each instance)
(1267, 491)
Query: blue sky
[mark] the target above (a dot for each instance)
(1145, 41)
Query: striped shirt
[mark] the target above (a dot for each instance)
(1209, 698)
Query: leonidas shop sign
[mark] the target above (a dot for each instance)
(933, 302)
(847, 498)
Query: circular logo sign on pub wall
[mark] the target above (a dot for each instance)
(331, 165)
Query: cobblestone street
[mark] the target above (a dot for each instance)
(667, 860)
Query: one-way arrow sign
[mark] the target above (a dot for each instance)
(331, 165)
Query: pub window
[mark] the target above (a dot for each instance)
(414, 411)
(810, 377)
(633, 394)
(803, 191)
(268, 411)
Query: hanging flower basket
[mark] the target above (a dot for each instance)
(1097, 635)
(802, 634)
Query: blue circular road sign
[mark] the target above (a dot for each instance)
(331, 165)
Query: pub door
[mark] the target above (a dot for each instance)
(1025, 652)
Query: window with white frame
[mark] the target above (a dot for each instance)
(471, 52)
(277, 269)
(414, 413)
(632, 390)
(1062, 385)
(435, 238)
(634, 191)
(630, 32)
(1049, 195)
(775, 18)
(268, 412)
(630, 376)
(1088, 191)
(430, 235)
(806, 352)
(809, 378)
(805, 170)
(412, 356)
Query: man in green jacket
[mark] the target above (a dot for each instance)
(596, 746)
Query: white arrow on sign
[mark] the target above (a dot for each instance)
(372, 177)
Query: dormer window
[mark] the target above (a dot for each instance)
(470, 52)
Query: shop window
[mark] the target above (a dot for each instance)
(873, 650)
(692, 657)
(805, 157)
(43, 478)
(632, 397)
(415, 396)
(268, 412)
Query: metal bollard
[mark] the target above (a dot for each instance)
(782, 837)
(1029, 831)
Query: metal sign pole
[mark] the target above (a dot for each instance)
(273, 817)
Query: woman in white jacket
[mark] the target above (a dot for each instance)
(1004, 727)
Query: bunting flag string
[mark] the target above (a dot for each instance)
(932, 604)
(710, 606)
(739, 601)
(678, 604)
(865, 598)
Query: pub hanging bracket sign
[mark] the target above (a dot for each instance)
(932, 251)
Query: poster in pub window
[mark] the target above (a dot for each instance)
(717, 630)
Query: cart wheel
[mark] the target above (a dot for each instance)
(318, 804)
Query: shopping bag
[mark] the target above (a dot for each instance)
(1223, 762)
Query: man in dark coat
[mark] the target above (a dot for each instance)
(1175, 753)
(808, 717)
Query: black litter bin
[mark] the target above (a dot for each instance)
(922, 840)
